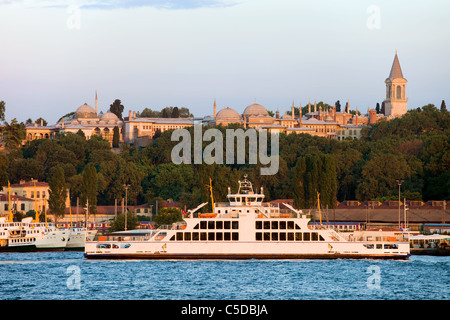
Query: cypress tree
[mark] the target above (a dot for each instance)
(299, 183)
(116, 137)
(89, 188)
(57, 193)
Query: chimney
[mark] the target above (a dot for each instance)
(372, 116)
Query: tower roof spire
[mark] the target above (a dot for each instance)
(396, 70)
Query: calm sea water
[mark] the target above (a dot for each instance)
(68, 276)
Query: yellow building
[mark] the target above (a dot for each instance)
(36, 191)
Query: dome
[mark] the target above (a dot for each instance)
(255, 110)
(228, 114)
(85, 111)
(109, 116)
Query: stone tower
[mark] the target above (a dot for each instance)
(396, 101)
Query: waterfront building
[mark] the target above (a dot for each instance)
(35, 191)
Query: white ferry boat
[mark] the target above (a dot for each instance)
(245, 228)
(78, 237)
(29, 236)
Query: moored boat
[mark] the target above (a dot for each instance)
(77, 238)
(245, 227)
(433, 245)
(29, 236)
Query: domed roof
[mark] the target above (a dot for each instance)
(228, 114)
(85, 111)
(255, 110)
(109, 116)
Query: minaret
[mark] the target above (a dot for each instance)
(215, 108)
(315, 106)
(96, 103)
(300, 116)
(396, 101)
(293, 110)
(309, 106)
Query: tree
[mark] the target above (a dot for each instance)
(383, 108)
(443, 106)
(175, 112)
(57, 193)
(89, 188)
(116, 137)
(338, 106)
(117, 108)
(13, 134)
(168, 216)
(118, 224)
(38, 121)
(2, 110)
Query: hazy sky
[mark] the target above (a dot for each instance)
(158, 53)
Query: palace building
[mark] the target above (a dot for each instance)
(328, 123)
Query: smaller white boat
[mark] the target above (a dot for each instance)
(433, 245)
(78, 237)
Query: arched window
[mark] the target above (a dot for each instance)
(399, 92)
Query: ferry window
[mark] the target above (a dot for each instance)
(274, 236)
(226, 224)
(195, 236)
(258, 224)
(306, 236)
(314, 236)
(202, 224)
(219, 236)
(258, 236)
(187, 236)
(226, 236)
(266, 224)
(274, 224)
(266, 236)
(203, 236)
(297, 227)
(290, 225)
(210, 224)
(298, 236)
(235, 236)
(238, 199)
(321, 238)
(219, 224)
(172, 238)
(379, 246)
(235, 225)
(196, 226)
(282, 224)
(369, 246)
(179, 236)
(211, 236)
(232, 199)
(283, 236)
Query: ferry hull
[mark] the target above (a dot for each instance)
(28, 248)
(172, 256)
(239, 251)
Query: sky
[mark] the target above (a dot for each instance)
(55, 54)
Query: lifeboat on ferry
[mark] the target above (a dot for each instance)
(207, 215)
